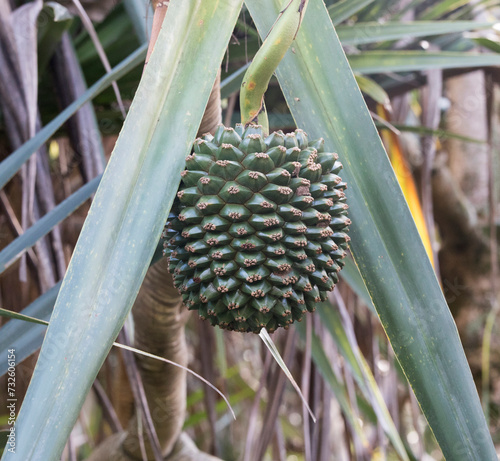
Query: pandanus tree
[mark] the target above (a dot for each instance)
(256, 233)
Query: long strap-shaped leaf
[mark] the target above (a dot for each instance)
(125, 221)
(372, 62)
(10, 166)
(372, 32)
(44, 225)
(325, 101)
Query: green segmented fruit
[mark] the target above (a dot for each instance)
(259, 230)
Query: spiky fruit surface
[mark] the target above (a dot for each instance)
(260, 229)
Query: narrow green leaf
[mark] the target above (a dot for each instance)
(17, 316)
(247, 29)
(10, 166)
(350, 274)
(347, 345)
(338, 388)
(232, 83)
(345, 9)
(372, 89)
(27, 337)
(380, 10)
(438, 9)
(114, 29)
(220, 353)
(410, 5)
(44, 225)
(472, 9)
(325, 100)
(372, 32)
(125, 220)
(492, 45)
(373, 62)
(486, 359)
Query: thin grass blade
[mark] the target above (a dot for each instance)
(266, 339)
(175, 364)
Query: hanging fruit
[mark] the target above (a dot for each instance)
(259, 232)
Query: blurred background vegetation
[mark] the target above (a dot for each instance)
(436, 106)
